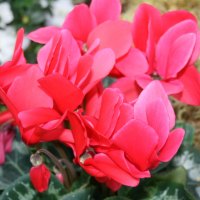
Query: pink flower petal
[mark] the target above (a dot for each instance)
(133, 64)
(152, 93)
(118, 36)
(126, 114)
(83, 70)
(196, 51)
(8, 74)
(174, 17)
(37, 116)
(103, 63)
(158, 119)
(61, 54)
(66, 95)
(18, 55)
(43, 35)
(166, 48)
(190, 78)
(128, 87)
(138, 141)
(105, 10)
(80, 21)
(146, 28)
(171, 86)
(180, 54)
(109, 111)
(110, 169)
(172, 145)
(119, 158)
(79, 133)
(25, 92)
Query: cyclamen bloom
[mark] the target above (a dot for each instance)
(88, 26)
(113, 140)
(134, 139)
(171, 45)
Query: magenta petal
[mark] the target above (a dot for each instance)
(37, 116)
(190, 78)
(180, 54)
(172, 86)
(133, 64)
(172, 145)
(196, 50)
(105, 10)
(18, 55)
(138, 141)
(103, 63)
(118, 36)
(66, 95)
(8, 74)
(109, 111)
(61, 54)
(128, 87)
(119, 158)
(147, 19)
(79, 133)
(83, 70)
(174, 17)
(111, 170)
(25, 98)
(126, 114)
(43, 35)
(152, 93)
(167, 47)
(158, 119)
(80, 21)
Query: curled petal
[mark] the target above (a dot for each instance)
(172, 145)
(43, 35)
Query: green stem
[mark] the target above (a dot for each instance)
(57, 164)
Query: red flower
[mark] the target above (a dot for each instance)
(134, 139)
(88, 26)
(35, 112)
(40, 177)
(81, 20)
(167, 47)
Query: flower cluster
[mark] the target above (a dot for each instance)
(118, 134)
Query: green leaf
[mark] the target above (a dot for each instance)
(17, 164)
(22, 189)
(177, 175)
(108, 81)
(80, 194)
(189, 133)
(169, 191)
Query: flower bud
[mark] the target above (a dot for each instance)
(40, 176)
